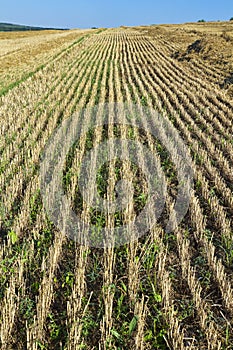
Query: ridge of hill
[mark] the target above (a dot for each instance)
(9, 27)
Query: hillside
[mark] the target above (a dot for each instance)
(116, 196)
(9, 27)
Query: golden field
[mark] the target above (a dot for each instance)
(164, 290)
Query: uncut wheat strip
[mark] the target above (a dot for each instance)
(46, 289)
(74, 303)
(227, 191)
(38, 146)
(225, 278)
(176, 335)
(53, 99)
(217, 154)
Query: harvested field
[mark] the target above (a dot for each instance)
(207, 47)
(21, 53)
(163, 290)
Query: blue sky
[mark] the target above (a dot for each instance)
(103, 13)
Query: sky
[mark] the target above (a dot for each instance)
(106, 13)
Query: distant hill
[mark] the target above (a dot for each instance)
(8, 27)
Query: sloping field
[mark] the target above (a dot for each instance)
(207, 47)
(22, 53)
(164, 290)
